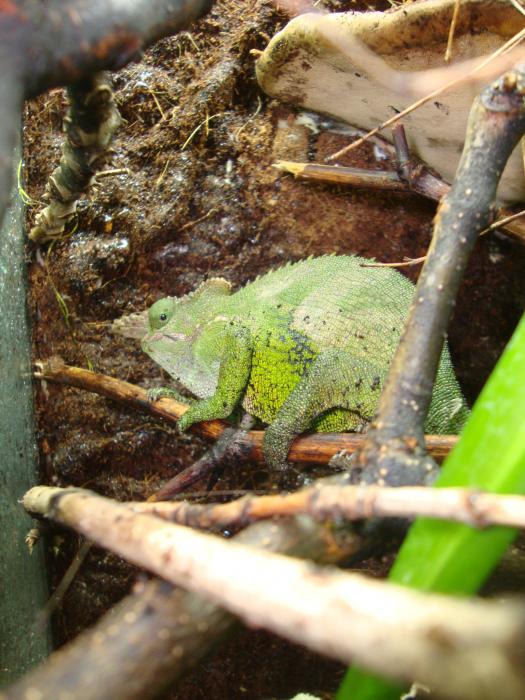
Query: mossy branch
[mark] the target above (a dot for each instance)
(59, 42)
(89, 126)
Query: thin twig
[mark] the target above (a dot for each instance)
(205, 122)
(450, 40)
(406, 263)
(332, 502)
(191, 224)
(500, 223)
(232, 447)
(111, 173)
(66, 581)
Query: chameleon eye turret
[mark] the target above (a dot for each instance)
(160, 313)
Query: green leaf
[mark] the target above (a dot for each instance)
(448, 557)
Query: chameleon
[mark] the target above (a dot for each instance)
(305, 347)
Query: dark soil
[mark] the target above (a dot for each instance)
(188, 208)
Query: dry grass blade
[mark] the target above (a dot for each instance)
(448, 52)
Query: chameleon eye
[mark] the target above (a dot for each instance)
(163, 317)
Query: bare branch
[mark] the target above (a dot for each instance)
(343, 615)
(394, 447)
(331, 502)
(232, 448)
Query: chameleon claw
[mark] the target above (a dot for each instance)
(154, 394)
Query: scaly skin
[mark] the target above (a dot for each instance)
(306, 346)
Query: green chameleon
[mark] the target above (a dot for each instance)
(305, 347)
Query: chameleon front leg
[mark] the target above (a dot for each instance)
(234, 372)
(336, 379)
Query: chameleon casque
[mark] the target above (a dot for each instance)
(304, 347)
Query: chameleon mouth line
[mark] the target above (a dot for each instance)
(165, 336)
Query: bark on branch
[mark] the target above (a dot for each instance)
(394, 446)
(460, 649)
(89, 126)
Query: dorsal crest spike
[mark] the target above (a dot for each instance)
(213, 286)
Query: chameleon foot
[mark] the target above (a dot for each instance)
(276, 445)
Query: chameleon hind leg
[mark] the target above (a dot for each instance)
(335, 380)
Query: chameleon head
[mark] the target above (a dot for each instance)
(169, 338)
(162, 339)
(180, 336)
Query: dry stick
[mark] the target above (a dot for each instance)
(159, 633)
(413, 176)
(338, 175)
(456, 81)
(90, 124)
(343, 615)
(394, 446)
(317, 448)
(331, 502)
(420, 180)
(232, 447)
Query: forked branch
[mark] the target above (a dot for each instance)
(343, 615)
(394, 449)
